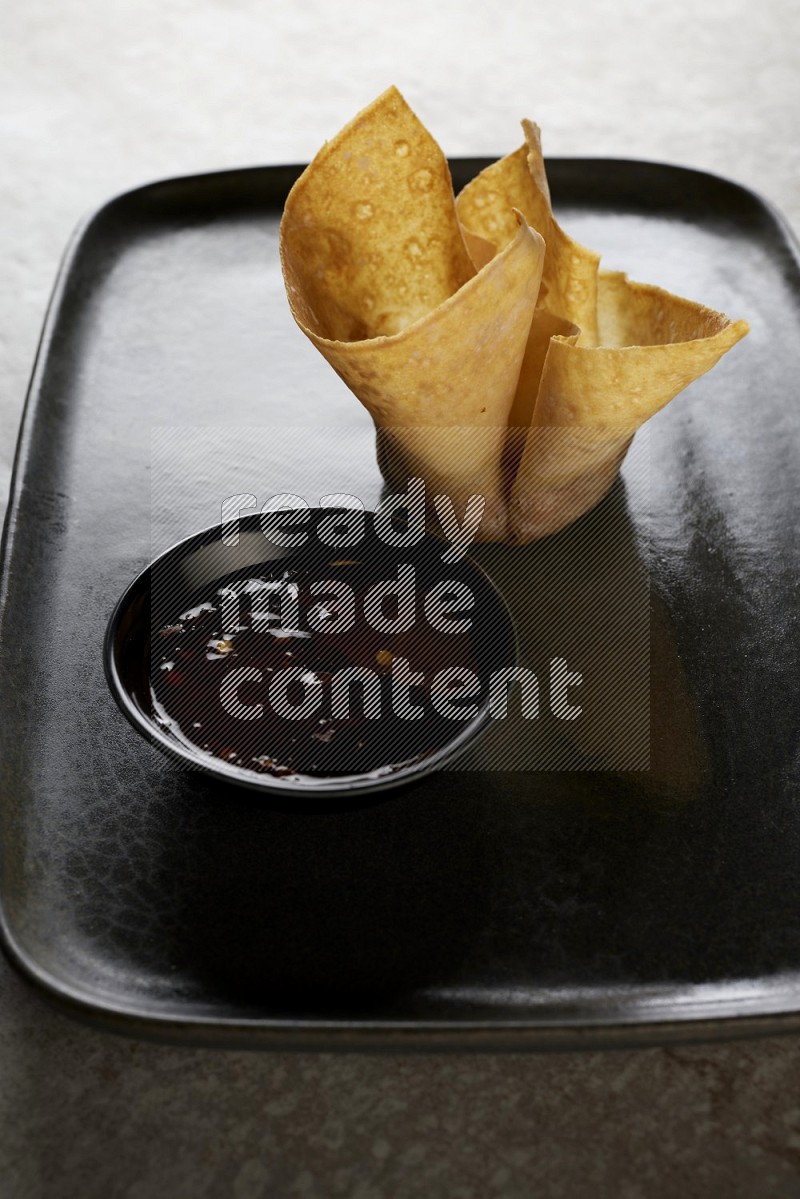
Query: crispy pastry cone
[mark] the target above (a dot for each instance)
(591, 401)
(480, 380)
(370, 239)
(604, 354)
(385, 288)
(485, 207)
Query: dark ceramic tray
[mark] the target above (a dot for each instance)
(475, 909)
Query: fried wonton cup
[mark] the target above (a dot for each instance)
(591, 400)
(380, 279)
(519, 181)
(604, 354)
(495, 357)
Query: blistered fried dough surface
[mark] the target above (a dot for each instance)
(569, 278)
(639, 314)
(591, 401)
(370, 237)
(429, 380)
(493, 355)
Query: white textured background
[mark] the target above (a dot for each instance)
(96, 97)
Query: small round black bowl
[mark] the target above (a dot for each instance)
(189, 572)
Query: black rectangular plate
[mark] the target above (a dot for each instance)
(470, 911)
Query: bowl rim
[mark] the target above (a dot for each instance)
(305, 786)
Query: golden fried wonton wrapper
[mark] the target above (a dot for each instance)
(432, 349)
(493, 355)
(591, 401)
(569, 278)
(370, 239)
(604, 354)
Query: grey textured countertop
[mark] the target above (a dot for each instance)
(98, 97)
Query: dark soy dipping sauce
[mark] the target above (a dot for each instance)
(195, 649)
